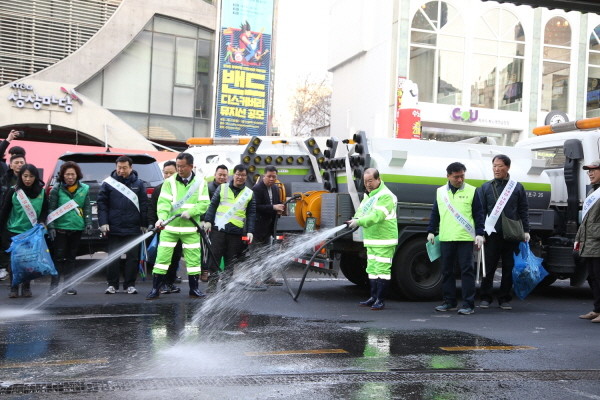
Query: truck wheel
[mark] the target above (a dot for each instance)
(414, 275)
(354, 268)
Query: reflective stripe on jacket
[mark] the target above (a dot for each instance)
(377, 216)
(450, 229)
(174, 190)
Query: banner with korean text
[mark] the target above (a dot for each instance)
(244, 68)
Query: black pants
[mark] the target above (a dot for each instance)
(462, 253)
(593, 268)
(497, 248)
(66, 244)
(5, 257)
(226, 245)
(131, 263)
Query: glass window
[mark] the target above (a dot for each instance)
(137, 121)
(556, 65)
(593, 81)
(183, 102)
(163, 58)
(497, 70)
(173, 27)
(127, 77)
(436, 56)
(185, 61)
(170, 128)
(203, 106)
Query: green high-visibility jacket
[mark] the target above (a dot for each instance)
(377, 216)
(173, 190)
(228, 200)
(462, 200)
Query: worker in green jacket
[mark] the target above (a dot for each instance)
(184, 193)
(377, 216)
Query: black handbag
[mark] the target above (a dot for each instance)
(512, 230)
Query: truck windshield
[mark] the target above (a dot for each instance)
(554, 156)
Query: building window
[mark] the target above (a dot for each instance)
(160, 84)
(437, 53)
(593, 82)
(498, 59)
(556, 65)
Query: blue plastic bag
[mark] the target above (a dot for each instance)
(152, 249)
(527, 272)
(29, 256)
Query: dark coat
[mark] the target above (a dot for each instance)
(516, 207)
(212, 188)
(152, 216)
(229, 227)
(588, 234)
(265, 215)
(118, 211)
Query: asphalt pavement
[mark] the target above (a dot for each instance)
(241, 344)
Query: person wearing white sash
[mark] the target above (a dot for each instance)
(69, 214)
(587, 239)
(232, 213)
(122, 216)
(502, 197)
(458, 216)
(184, 193)
(24, 206)
(7, 180)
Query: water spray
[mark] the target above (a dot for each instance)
(297, 294)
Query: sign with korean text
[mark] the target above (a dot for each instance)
(244, 68)
(25, 96)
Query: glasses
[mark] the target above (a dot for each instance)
(591, 171)
(240, 175)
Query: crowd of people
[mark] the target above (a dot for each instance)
(234, 217)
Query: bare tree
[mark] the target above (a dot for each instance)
(311, 106)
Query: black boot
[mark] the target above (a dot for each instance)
(157, 282)
(26, 289)
(194, 291)
(382, 285)
(54, 279)
(373, 298)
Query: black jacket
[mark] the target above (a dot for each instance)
(212, 188)
(516, 207)
(229, 227)
(265, 215)
(118, 211)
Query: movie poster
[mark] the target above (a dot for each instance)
(244, 68)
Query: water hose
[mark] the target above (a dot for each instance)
(206, 240)
(297, 294)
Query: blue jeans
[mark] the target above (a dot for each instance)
(461, 253)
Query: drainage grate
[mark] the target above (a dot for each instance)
(290, 379)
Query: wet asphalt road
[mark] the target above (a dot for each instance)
(261, 345)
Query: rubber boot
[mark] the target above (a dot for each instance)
(157, 282)
(195, 293)
(373, 298)
(382, 285)
(213, 281)
(26, 289)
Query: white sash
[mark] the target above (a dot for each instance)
(364, 209)
(458, 216)
(27, 206)
(190, 191)
(221, 220)
(589, 202)
(124, 190)
(62, 210)
(490, 220)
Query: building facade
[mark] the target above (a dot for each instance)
(482, 68)
(120, 72)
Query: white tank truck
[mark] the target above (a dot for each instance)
(548, 166)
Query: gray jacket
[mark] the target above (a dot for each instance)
(588, 234)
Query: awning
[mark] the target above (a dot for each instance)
(591, 6)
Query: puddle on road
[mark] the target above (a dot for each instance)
(146, 341)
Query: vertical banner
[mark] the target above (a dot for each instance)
(244, 68)
(408, 115)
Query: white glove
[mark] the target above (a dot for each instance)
(479, 241)
(250, 237)
(431, 238)
(143, 229)
(353, 223)
(159, 224)
(526, 236)
(186, 215)
(104, 229)
(207, 226)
